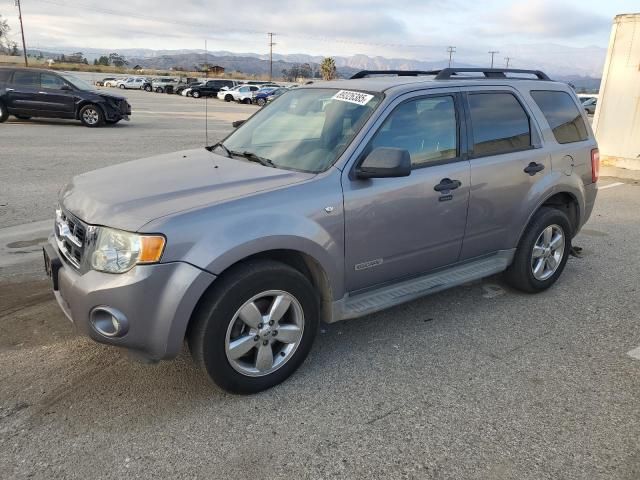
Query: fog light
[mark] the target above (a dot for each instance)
(109, 322)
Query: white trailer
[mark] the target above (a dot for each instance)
(617, 118)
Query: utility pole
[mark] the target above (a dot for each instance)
(493, 52)
(507, 61)
(271, 44)
(24, 45)
(451, 51)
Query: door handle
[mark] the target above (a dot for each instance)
(446, 184)
(9, 89)
(42, 93)
(533, 168)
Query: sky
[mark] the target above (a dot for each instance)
(417, 29)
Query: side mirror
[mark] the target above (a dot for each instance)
(237, 123)
(65, 87)
(384, 162)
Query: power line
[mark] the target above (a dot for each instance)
(24, 44)
(451, 51)
(493, 53)
(271, 44)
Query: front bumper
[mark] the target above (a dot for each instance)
(157, 300)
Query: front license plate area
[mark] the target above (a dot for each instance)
(52, 265)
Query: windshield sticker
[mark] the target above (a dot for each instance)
(358, 98)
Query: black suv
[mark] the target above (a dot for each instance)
(211, 88)
(26, 93)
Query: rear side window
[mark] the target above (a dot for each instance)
(4, 75)
(562, 114)
(25, 78)
(499, 123)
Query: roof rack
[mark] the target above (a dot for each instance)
(399, 73)
(447, 73)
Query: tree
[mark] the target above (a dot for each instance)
(117, 60)
(4, 33)
(103, 60)
(14, 49)
(328, 68)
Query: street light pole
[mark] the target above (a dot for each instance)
(271, 44)
(24, 44)
(493, 52)
(451, 51)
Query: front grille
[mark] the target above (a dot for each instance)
(71, 236)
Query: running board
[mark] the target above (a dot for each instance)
(390, 295)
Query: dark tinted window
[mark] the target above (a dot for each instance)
(4, 75)
(499, 123)
(426, 127)
(25, 78)
(562, 114)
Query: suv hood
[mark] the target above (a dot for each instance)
(104, 94)
(129, 195)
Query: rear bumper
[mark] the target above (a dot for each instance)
(590, 195)
(157, 301)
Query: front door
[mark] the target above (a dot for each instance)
(56, 96)
(401, 227)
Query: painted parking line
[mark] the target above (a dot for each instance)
(635, 353)
(611, 185)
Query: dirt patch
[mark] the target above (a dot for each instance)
(30, 316)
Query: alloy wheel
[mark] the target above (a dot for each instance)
(547, 253)
(90, 116)
(264, 333)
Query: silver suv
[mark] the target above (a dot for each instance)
(336, 200)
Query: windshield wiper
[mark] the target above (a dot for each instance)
(221, 145)
(252, 157)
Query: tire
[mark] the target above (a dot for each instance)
(122, 86)
(261, 102)
(147, 88)
(228, 98)
(536, 252)
(4, 113)
(159, 90)
(247, 101)
(91, 116)
(216, 323)
(23, 117)
(195, 94)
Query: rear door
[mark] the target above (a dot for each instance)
(508, 168)
(53, 96)
(22, 93)
(402, 227)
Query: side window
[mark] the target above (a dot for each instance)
(426, 127)
(562, 114)
(25, 78)
(48, 80)
(4, 75)
(499, 123)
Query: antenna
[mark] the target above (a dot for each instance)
(206, 106)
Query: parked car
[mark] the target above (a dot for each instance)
(184, 85)
(101, 83)
(111, 82)
(135, 83)
(210, 88)
(589, 105)
(239, 93)
(187, 91)
(341, 199)
(164, 84)
(27, 93)
(147, 86)
(263, 96)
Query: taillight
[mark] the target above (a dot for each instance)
(595, 165)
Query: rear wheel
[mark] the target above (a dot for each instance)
(4, 113)
(91, 116)
(255, 327)
(228, 98)
(261, 102)
(542, 253)
(159, 90)
(122, 86)
(247, 101)
(147, 88)
(195, 94)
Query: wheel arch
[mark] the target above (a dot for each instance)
(84, 102)
(563, 200)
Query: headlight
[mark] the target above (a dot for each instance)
(117, 251)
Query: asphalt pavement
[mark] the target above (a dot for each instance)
(478, 382)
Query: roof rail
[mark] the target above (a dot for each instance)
(399, 73)
(447, 73)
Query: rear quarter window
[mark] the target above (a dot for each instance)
(562, 114)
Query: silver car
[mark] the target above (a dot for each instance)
(337, 200)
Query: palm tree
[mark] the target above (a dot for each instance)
(328, 68)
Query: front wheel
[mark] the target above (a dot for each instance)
(255, 327)
(122, 87)
(159, 90)
(91, 116)
(228, 98)
(195, 94)
(542, 253)
(261, 102)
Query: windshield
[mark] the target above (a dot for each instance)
(76, 82)
(304, 129)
